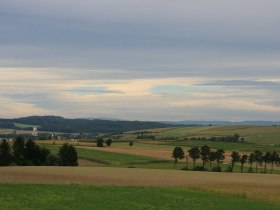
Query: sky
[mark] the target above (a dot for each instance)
(154, 60)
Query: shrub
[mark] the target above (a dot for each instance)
(99, 142)
(130, 143)
(250, 170)
(52, 160)
(216, 169)
(198, 168)
(68, 155)
(228, 169)
(109, 142)
(185, 168)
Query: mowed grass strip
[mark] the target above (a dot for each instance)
(263, 187)
(83, 197)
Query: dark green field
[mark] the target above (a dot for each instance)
(67, 197)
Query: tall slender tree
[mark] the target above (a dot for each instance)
(220, 156)
(266, 159)
(212, 157)
(235, 157)
(177, 153)
(274, 159)
(258, 158)
(204, 154)
(243, 160)
(251, 160)
(194, 153)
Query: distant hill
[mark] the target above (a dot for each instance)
(60, 124)
(253, 123)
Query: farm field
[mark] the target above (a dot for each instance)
(140, 156)
(147, 171)
(49, 197)
(252, 134)
(257, 187)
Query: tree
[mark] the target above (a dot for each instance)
(53, 160)
(99, 142)
(236, 137)
(243, 160)
(251, 160)
(258, 158)
(109, 142)
(35, 155)
(235, 157)
(31, 152)
(178, 153)
(68, 155)
(220, 156)
(19, 151)
(204, 153)
(212, 157)
(5, 153)
(266, 159)
(194, 153)
(274, 159)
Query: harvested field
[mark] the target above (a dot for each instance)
(159, 154)
(255, 186)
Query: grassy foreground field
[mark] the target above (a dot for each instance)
(62, 197)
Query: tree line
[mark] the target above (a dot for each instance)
(236, 138)
(206, 155)
(27, 153)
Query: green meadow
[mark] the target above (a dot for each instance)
(82, 197)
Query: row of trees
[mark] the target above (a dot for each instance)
(236, 138)
(258, 158)
(209, 156)
(27, 153)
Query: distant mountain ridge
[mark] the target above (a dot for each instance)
(60, 124)
(252, 123)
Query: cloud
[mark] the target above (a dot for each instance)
(149, 60)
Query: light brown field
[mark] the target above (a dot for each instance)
(163, 154)
(254, 186)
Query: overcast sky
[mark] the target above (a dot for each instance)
(141, 59)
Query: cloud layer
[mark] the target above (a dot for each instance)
(146, 60)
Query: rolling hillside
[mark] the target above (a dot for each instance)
(60, 124)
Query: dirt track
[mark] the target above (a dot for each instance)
(257, 186)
